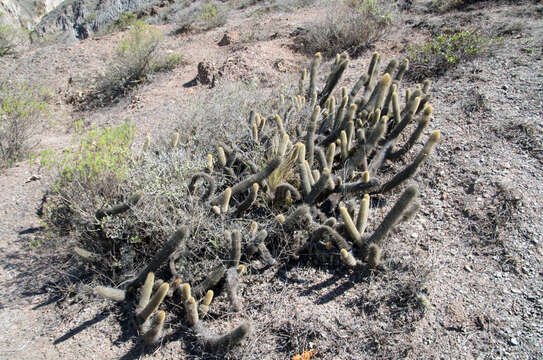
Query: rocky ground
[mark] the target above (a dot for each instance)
(477, 241)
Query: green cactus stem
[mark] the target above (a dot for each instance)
(211, 281)
(153, 335)
(282, 189)
(252, 248)
(401, 70)
(221, 344)
(146, 290)
(363, 212)
(221, 156)
(203, 308)
(333, 80)
(232, 285)
(339, 240)
(86, 255)
(310, 136)
(304, 176)
(407, 117)
(378, 95)
(235, 252)
(265, 254)
(118, 209)
(313, 74)
(359, 187)
(244, 185)
(191, 312)
(321, 158)
(374, 256)
(423, 122)
(318, 188)
(111, 293)
(410, 170)
(299, 215)
(393, 216)
(162, 255)
(354, 235)
(348, 258)
(153, 303)
(211, 185)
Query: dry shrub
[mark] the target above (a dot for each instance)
(351, 26)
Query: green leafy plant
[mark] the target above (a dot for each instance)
(445, 51)
(201, 17)
(135, 59)
(99, 152)
(20, 111)
(8, 40)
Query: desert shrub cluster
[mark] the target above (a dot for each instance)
(8, 40)
(137, 57)
(351, 26)
(279, 179)
(201, 16)
(22, 113)
(446, 50)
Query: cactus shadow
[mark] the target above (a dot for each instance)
(73, 332)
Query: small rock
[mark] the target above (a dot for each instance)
(515, 291)
(505, 87)
(226, 39)
(468, 268)
(33, 178)
(513, 341)
(206, 70)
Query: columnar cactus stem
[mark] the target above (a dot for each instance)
(153, 304)
(393, 216)
(153, 335)
(146, 290)
(162, 255)
(111, 293)
(410, 170)
(211, 186)
(354, 235)
(313, 74)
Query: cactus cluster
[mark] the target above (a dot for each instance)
(316, 179)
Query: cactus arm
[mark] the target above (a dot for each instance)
(209, 282)
(153, 304)
(232, 285)
(118, 209)
(393, 216)
(162, 255)
(211, 185)
(111, 293)
(410, 170)
(244, 185)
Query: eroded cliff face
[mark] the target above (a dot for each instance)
(25, 13)
(69, 20)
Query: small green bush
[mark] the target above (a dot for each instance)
(448, 5)
(20, 111)
(99, 152)
(201, 17)
(124, 22)
(352, 26)
(445, 51)
(8, 40)
(135, 59)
